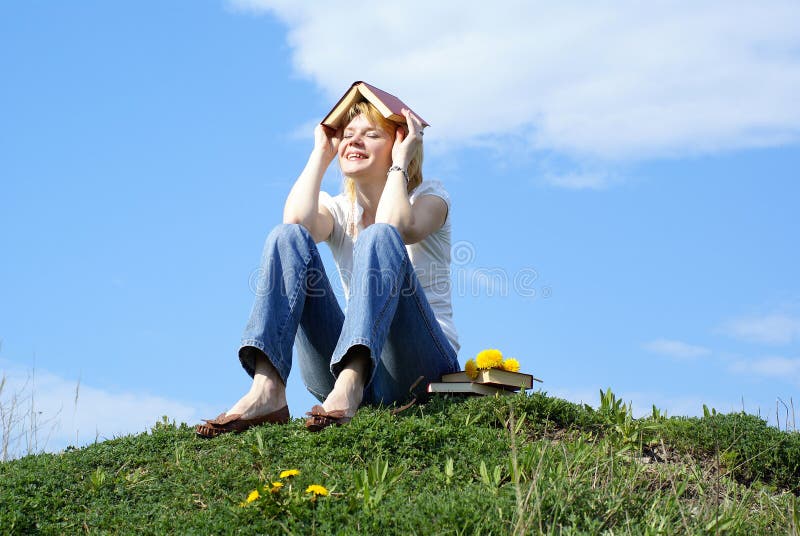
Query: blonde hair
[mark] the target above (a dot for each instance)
(376, 118)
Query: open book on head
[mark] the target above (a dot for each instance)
(387, 104)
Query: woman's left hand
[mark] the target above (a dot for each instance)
(407, 140)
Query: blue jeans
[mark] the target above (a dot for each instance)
(387, 312)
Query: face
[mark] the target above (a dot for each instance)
(365, 150)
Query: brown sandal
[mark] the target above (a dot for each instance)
(319, 418)
(224, 424)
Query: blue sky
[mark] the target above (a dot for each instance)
(624, 187)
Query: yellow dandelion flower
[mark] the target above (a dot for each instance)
(316, 489)
(289, 472)
(488, 359)
(471, 369)
(511, 364)
(252, 496)
(276, 487)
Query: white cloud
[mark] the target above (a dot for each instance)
(624, 80)
(773, 367)
(677, 349)
(63, 420)
(770, 329)
(587, 181)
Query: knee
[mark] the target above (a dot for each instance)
(288, 239)
(290, 234)
(379, 233)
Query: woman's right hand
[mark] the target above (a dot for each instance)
(326, 141)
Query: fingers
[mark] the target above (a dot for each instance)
(407, 139)
(329, 133)
(326, 138)
(414, 123)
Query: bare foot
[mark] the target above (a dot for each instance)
(348, 391)
(267, 393)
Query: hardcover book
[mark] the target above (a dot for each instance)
(467, 388)
(498, 377)
(388, 105)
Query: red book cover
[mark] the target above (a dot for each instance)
(390, 106)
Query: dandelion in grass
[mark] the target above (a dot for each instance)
(471, 369)
(252, 496)
(316, 489)
(487, 359)
(289, 472)
(511, 364)
(276, 487)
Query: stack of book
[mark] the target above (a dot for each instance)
(488, 382)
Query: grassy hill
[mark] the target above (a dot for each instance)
(524, 464)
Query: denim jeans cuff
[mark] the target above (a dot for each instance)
(357, 341)
(247, 358)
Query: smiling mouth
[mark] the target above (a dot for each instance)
(355, 156)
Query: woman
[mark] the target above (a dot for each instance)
(390, 237)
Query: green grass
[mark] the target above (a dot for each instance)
(526, 464)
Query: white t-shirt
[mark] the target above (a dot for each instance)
(430, 257)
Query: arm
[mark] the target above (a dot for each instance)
(413, 222)
(302, 203)
(428, 214)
